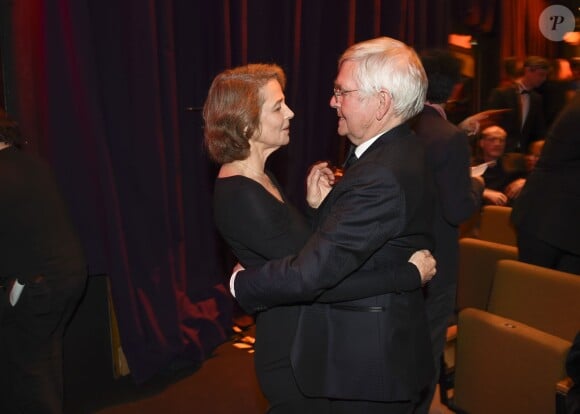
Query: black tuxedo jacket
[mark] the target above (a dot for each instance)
(518, 137)
(458, 195)
(377, 348)
(549, 204)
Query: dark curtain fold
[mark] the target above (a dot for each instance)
(110, 93)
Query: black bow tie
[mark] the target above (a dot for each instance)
(524, 91)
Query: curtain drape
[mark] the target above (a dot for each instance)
(110, 93)
(520, 18)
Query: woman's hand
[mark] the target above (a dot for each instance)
(318, 183)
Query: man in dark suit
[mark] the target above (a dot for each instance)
(546, 212)
(369, 355)
(524, 122)
(458, 196)
(42, 278)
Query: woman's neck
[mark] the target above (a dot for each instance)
(250, 168)
(253, 169)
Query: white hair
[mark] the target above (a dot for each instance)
(388, 64)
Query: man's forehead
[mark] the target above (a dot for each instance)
(346, 73)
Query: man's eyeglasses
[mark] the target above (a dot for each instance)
(340, 92)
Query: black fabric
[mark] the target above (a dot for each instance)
(539, 252)
(519, 136)
(247, 215)
(351, 158)
(547, 208)
(41, 249)
(458, 197)
(497, 177)
(258, 227)
(37, 235)
(378, 214)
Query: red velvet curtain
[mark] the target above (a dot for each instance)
(110, 92)
(519, 19)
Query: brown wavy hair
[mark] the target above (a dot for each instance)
(232, 109)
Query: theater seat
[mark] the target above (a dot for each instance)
(477, 266)
(546, 299)
(504, 366)
(495, 225)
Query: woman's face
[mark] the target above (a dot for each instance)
(533, 154)
(274, 118)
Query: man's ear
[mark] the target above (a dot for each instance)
(384, 104)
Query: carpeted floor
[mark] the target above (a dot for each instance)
(225, 383)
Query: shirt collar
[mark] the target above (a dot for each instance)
(521, 87)
(360, 150)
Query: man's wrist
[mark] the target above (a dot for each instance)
(233, 282)
(15, 292)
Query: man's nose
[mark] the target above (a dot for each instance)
(333, 101)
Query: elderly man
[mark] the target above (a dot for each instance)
(368, 355)
(504, 177)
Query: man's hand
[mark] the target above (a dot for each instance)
(473, 124)
(318, 183)
(497, 198)
(425, 263)
(514, 188)
(470, 125)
